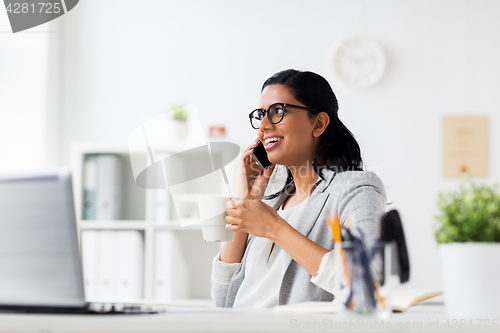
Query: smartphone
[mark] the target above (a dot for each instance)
(260, 156)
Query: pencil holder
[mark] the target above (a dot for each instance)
(364, 284)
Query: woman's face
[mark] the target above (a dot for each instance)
(297, 144)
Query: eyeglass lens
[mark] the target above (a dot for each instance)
(275, 113)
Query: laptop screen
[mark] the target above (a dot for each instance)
(40, 262)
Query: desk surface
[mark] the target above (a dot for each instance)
(421, 318)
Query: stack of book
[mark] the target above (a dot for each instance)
(113, 260)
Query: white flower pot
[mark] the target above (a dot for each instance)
(471, 279)
(177, 130)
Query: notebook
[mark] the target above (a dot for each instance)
(41, 268)
(406, 298)
(401, 300)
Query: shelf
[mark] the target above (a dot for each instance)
(172, 147)
(175, 262)
(113, 225)
(174, 227)
(190, 224)
(193, 197)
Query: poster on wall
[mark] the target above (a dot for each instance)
(465, 146)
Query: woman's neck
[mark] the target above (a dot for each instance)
(304, 178)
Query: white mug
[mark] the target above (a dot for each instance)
(213, 212)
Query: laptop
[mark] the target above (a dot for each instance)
(40, 261)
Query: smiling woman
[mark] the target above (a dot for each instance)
(282, 248)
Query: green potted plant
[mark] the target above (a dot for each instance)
(468, 235)
(178, 128)
(180, 114)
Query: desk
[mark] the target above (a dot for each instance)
(421, 318)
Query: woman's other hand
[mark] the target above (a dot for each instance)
(254, 217)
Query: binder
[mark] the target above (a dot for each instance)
(108, 196)
(159, 206)
(89, 186)
(106, 265)
(162, 204)
(129, 256)
(89, 261)
(160, 199)
(170, 269)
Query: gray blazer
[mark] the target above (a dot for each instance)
(359, 195)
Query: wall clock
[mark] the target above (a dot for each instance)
(359, 62)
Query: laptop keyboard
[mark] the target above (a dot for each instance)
(96, 307)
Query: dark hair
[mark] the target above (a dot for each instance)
(338, 149)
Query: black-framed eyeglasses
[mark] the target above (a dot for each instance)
(275, 113)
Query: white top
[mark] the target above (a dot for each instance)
(264, 267)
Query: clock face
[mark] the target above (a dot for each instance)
(359, 62)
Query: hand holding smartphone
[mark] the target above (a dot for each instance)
(255, 170)
(260, 156)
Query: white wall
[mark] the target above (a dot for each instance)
(125, 61)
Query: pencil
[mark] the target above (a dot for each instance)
(334, 225)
